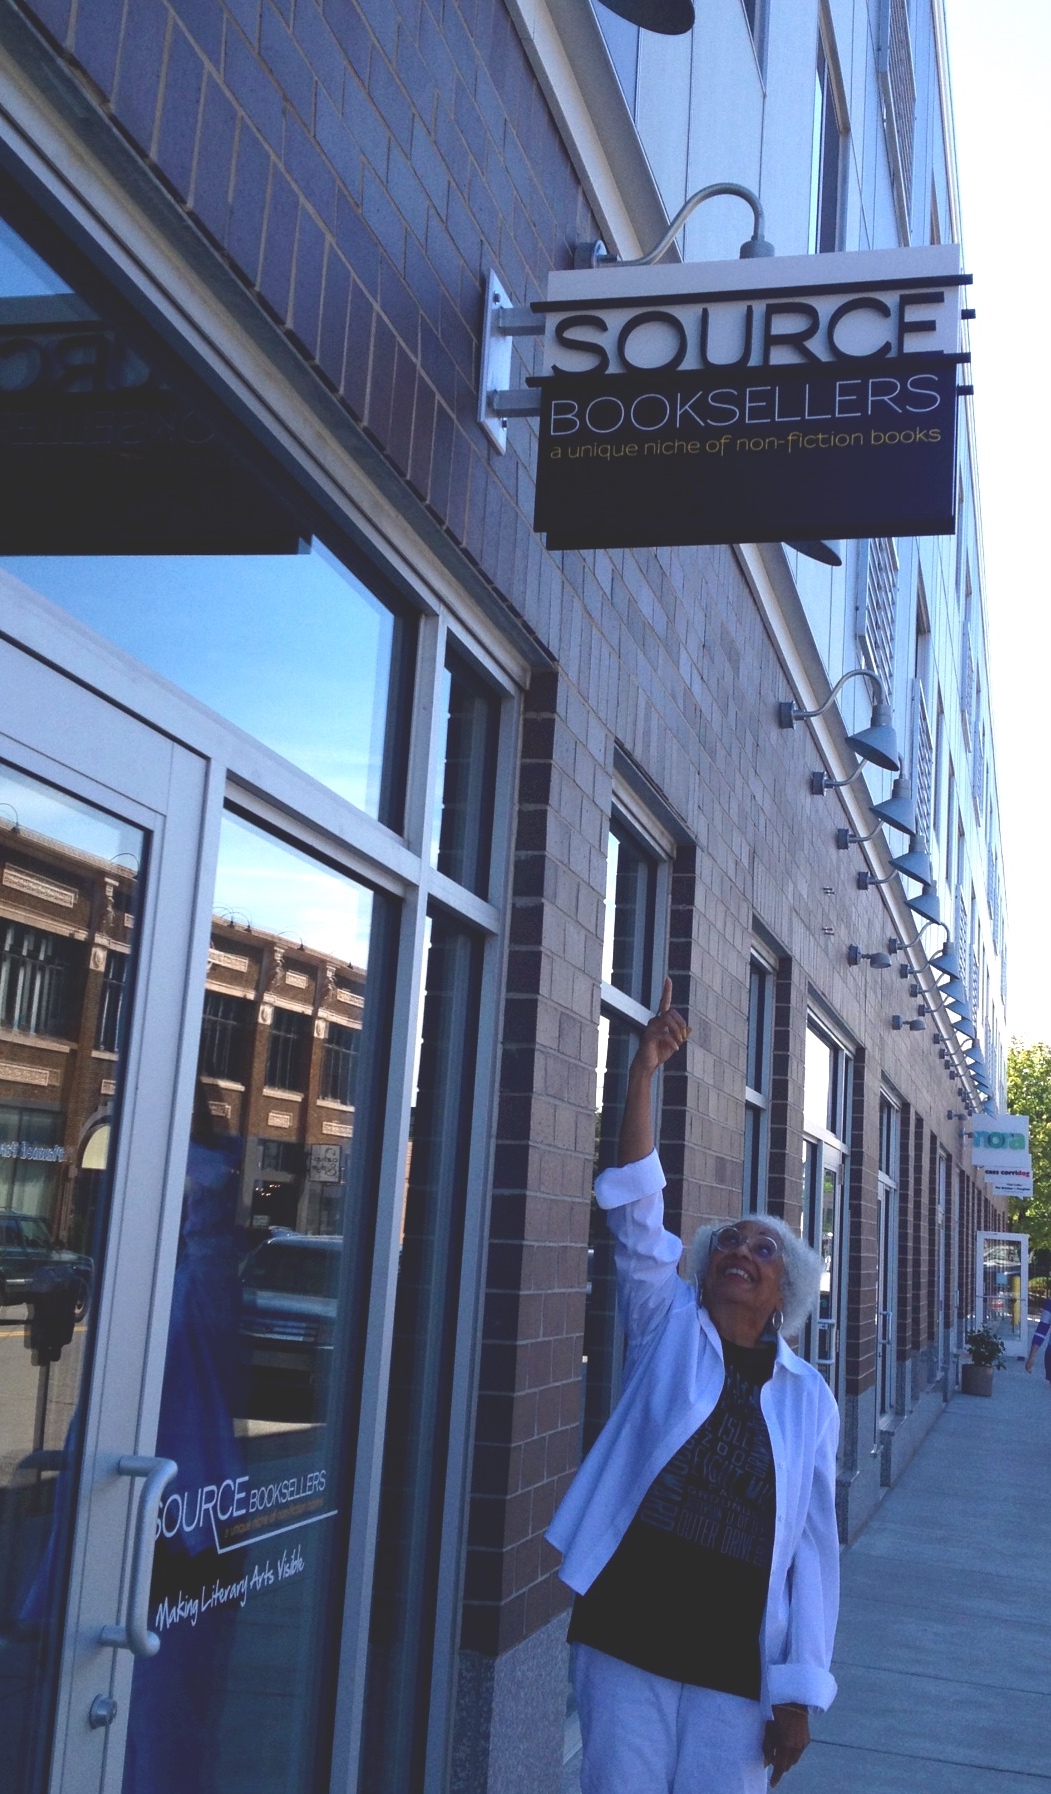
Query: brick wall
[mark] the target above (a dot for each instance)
(528, 1406)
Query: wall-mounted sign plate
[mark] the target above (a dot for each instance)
(789, 398)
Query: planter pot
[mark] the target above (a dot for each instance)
(977, 1379)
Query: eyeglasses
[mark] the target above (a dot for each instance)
(762, 1246)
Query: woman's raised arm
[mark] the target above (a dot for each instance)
(664, 1035)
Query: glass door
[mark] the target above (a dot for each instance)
(262, 1374)
(1002, 1289)
(99, 832)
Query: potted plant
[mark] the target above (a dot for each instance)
(986, 1351)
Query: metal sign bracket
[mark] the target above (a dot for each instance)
(497, 401)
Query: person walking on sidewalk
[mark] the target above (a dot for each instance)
(699, 1534)
(1043, 1328)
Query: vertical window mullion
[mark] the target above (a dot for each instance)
(422, 1363)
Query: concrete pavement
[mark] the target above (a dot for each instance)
(944, 1649)
(943, 1656)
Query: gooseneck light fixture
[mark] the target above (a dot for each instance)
(878, 743)
(896, 945)
(897, 811)
(916, 863)
(925, 903)
(880, 962)
(596, 255)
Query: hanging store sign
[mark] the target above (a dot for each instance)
(1017, 1183)
(1000, 1148)
(777, 399)
(1000, 1142)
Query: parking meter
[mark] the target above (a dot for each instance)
(52, 1302)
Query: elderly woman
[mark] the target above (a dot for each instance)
(700, 1532)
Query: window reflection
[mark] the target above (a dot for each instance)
(627, 939)
(263, 1367)
(292, 648)
(463, 822)
(125, 503)
(67, 938)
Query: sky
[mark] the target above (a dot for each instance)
(1000, 59)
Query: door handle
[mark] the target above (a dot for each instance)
(135, 1635)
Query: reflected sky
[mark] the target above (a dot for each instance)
(817, 1078)
(262, 884)
(291, 648)
(29, 804)
(23, 275)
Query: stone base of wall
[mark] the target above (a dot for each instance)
(509, 1735)
(904, 1435)
(858, 1487)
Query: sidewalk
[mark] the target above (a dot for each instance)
(943, 1655)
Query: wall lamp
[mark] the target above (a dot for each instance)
(596, 255)
(898, 1022)
(897, 811)
(670, 17)
(913, 864)
(948, 960)
(878, 743)
(925, 903)
(880, 962)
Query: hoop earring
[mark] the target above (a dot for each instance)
(777, 1319)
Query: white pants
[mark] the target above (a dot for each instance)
(645, 1735)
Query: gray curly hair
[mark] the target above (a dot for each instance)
(800, 1272)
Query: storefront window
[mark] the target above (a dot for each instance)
(125, 506)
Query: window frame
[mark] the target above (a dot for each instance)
(826, 1152)
(888, 1170)
(757, 1099)
(629, 821)
(831, 127)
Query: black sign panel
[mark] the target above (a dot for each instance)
(751, 454)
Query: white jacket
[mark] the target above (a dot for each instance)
(673, 1378)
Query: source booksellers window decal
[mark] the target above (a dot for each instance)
(764, 400)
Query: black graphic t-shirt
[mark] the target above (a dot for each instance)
(684, 1592)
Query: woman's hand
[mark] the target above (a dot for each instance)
(664, 1035)
(786, 1738)
(1029, 1363)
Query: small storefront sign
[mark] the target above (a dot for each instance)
(769, 400)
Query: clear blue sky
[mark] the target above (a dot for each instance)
(1001, 68)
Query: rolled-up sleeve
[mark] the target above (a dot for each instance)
(805, 1675)
(646, 1254)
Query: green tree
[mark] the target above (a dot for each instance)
(1029, 1093)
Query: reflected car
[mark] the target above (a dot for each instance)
(26, 1248)
(289, 1293)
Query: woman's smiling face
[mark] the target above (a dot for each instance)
(742, 1287)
